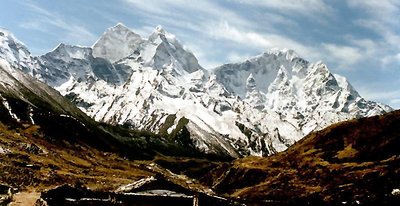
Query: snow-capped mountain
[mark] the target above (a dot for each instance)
(22, 97)
(257, 107)
(15, 52)
(29, 105)
(305, 94)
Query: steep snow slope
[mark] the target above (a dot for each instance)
(257, 107)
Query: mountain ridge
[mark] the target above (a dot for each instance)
(257, 107)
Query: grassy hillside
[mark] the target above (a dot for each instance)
(357, 162)
(30, 161)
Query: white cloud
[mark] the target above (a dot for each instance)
(382, 17)
(205, 10)
(381, 9)
(391, 61)
(386, 31)
(395, 103)
(211, 19)
(208, 19)
(391, 97)
(304, 7)
(46, 20)
(381, 95)
(203, 54)
(236, 57)
(369, 47)
(260, 41)
(344, 56)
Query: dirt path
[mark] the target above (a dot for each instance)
(26, 198)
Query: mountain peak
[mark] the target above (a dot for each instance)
(4, 32)
(120, 25)
(14, 51)
(160, 29)
(66, 51)
(289, 54)
(161, 35)
(119, 28)
(164, 50)
(116, 43)
(6, 37)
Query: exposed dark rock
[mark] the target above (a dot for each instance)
(6, 193)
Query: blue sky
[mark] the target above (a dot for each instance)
(359, 39)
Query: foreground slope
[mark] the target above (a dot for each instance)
(353, 162)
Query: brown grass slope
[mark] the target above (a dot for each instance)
(32, 162)
(357, 162)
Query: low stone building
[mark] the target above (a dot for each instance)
(149, 191)
(154, 191)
